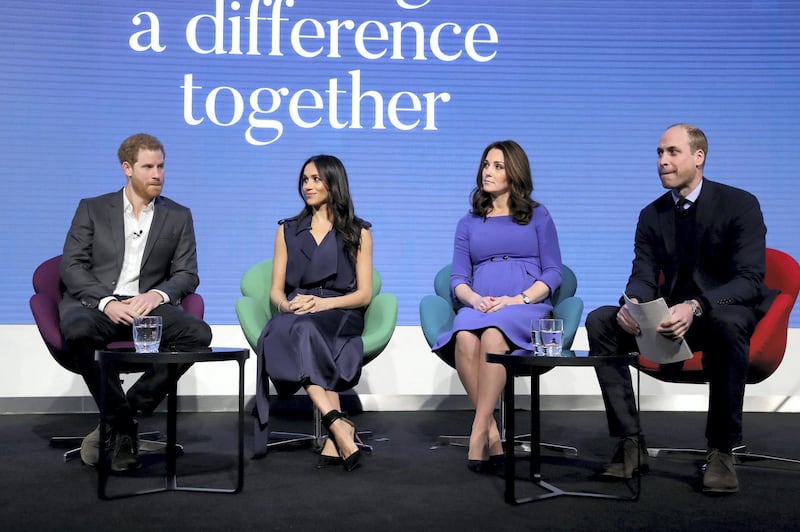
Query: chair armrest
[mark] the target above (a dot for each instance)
(45, 313)
(252, 318)
(569, 310)
(380, 321)
(436, 316)
(194, 304)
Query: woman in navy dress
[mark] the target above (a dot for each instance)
(321, 284)
(506, 263)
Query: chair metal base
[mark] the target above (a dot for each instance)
(316, 440)
(740, 454)
(521, 444)
(73, 443)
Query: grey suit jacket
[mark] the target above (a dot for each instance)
(95, 246)
(730, 244)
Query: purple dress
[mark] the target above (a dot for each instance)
(499, 257)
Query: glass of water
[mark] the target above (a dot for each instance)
(536, 339)
(147, 333)
(535, 336)
(551, 336)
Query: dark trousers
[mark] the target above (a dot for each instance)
(86, 330)
(722, 333)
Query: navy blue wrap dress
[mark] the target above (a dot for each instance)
(322, 348)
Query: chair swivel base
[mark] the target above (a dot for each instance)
(740, 454)
(521, 445)
(279, 439)
(316, 440)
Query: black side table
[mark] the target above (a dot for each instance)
(213, 354)
(522, 363)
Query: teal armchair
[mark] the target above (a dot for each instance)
(437, 312)
(254, 309)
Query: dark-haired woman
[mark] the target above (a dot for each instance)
(321, 284)
(506, 263)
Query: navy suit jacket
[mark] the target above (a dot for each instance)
(730, 244)
(95, 246)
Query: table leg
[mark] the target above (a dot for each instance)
(535, 455)
(172, 426)
(102, 462)
(536, 431)
(510, 466)
(170, 477)
(240, 482)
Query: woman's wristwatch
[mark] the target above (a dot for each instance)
(525, 298)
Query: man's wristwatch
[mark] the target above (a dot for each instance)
(697, 310)
(525, 298)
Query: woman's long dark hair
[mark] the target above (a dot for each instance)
(340, 204)
(520, 183)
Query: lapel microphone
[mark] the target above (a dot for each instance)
(137, 234)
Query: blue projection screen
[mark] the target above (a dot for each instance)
(407, 93)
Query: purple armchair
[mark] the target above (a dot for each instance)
(47, 288)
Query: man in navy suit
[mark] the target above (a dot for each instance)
(707, 240)
(129, 253)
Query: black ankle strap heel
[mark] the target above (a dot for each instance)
(330, 417)
(351, 461)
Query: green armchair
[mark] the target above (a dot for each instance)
(254, 309)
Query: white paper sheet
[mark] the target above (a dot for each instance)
(653, 345)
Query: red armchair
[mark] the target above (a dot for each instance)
(767, 345)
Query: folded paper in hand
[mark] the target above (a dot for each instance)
(652, 344)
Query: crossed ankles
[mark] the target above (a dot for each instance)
(350, 460)
(122, 444)
(491, 457)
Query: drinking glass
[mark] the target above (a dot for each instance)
(551, 336)
(536, 339)
(147, 333)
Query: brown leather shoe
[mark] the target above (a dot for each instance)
(720, 473)
(630, 459)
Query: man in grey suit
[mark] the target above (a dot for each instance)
(707, 240)
(129, 253)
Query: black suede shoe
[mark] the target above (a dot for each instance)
(625, 463)
(720, 474)
(126, 449)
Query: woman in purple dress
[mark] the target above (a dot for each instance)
(321, 284)
(506, 263)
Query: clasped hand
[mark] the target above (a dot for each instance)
(125, 311)
(492, 303)
(308, 304)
